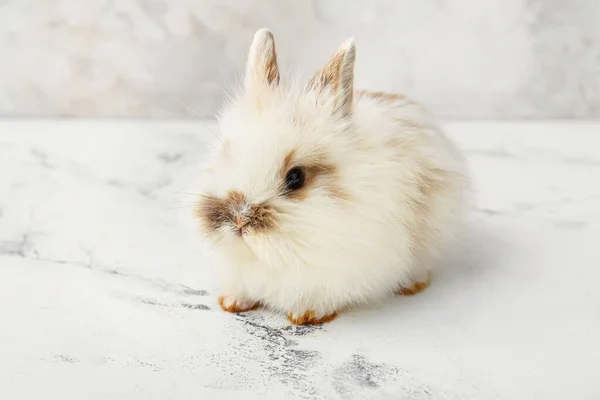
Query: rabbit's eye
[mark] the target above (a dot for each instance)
(294, 179)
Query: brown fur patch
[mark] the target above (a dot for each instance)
(318, 172)
(262, 68)
(235, 199)
(235, 307)
(392, 99)
(308, 318)
(271, 67)
(288, 163)
(262, 218)
(329, 75)
(214, 212)
(338, 76)
(381, 96)
(416, 287)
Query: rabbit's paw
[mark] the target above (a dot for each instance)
(236, 305)
(310, 318)
(415, 287)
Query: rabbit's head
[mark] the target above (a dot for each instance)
(279, 169)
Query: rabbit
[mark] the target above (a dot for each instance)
(320, 197)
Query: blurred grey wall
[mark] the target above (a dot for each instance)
(143, 58)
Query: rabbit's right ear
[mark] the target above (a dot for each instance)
(337, 77)
(262, 71)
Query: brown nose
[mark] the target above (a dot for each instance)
(240, 221)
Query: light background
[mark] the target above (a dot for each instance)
(141, 58)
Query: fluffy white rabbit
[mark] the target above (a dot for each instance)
(322, 197)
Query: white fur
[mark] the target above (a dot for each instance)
(328, 253)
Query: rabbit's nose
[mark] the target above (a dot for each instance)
(240, 221)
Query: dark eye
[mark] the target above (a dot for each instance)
(294, 179)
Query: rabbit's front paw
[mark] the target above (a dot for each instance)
(236, 305)
(310, 318)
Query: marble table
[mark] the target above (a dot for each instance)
(106, 293)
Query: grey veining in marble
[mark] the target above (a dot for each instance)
(143, 58)
(106, 292)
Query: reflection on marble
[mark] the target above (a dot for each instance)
(140, 58)
(107, 294)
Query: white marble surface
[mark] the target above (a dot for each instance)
(463, 58)
(106, 294)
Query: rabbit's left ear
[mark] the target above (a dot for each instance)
(337, 77)
(262, 70)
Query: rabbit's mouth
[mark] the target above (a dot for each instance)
(240, 224)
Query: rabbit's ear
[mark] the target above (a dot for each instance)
(261, 68)
(337, 76)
